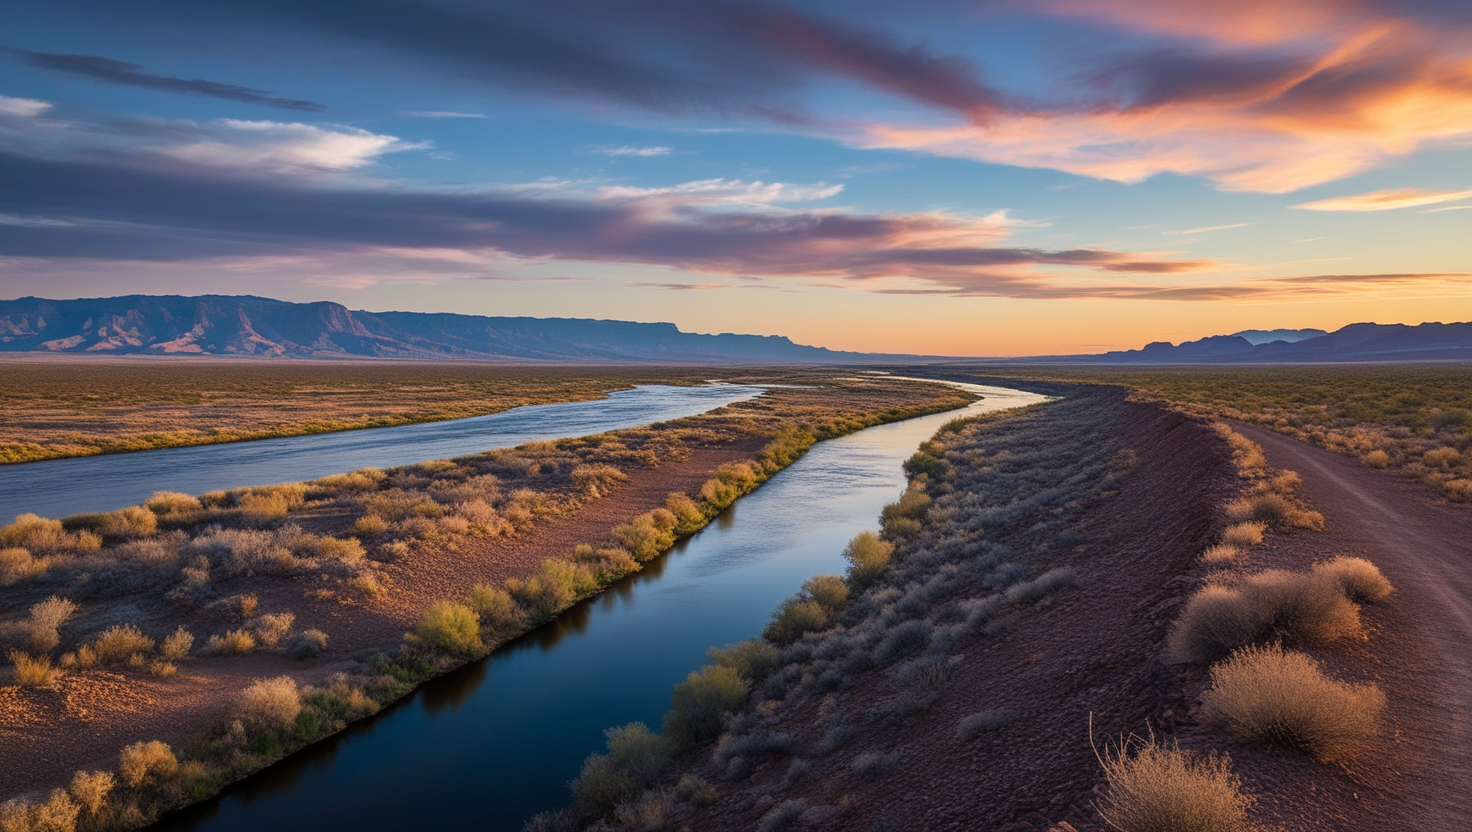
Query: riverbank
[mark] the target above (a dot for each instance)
(54, 408)
(1029, 588)
(334, 595)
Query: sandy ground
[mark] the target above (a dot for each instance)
(86, 716)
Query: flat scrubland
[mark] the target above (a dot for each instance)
(1096, 613)
(159, 652)
(1415, 419)
(63, 408)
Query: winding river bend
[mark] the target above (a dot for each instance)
(56, 488)
(495, 742)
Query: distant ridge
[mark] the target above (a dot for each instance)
(258, 327)
(1353, 343)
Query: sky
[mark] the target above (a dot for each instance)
(982, 178)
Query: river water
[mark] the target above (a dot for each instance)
(59, 487)
(495, 742)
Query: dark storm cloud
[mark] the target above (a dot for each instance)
(133, 75)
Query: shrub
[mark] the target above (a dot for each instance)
(370, 524)
(553, 820)
(133, 521)
(1376, 459)
(868, 556)
(91, 788)
(273, 627)
(449, 628)
(781, 816)
(1296, 608)
(247, 604)
(31, 672)
(981, 723)
(752, 659)
(1270, 509)
(177, 646)
(493, 605)
(688, 515)
(120, 643)
(309, 644)
(648, 534)
(700, 704)
(162, 669)
(270, 704)
(632, 764)
(1458, 490)
(1221, 553)
(57, 813)
(45, 622)
(1282, 698)
(829, 591)
(1243, 535)
(231, 643)
(143, 763)
(795, 617)
(1159, 789)
(174, 507)
(875, 765)
(1361, 580)
(35, 533)
(17, 564)
(598, 479)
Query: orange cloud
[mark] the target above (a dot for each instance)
(1387, 200)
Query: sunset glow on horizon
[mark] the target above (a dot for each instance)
(985, 179)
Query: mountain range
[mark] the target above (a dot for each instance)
(247, 326)
(1353, 343)
(266, 328)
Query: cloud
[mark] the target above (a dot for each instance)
(439, 114)
(630, 150)
(1387, 200)
(22, 107)
(1210, 228)
(278, 147)
(106, 211)
(119, 72)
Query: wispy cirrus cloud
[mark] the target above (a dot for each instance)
(22, 107)
(632, 150)
(439, 114)
(113, 71)
(1386, 200)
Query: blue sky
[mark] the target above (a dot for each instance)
(974, 179)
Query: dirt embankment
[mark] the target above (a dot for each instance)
(1093, 650)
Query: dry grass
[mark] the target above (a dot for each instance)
(1243, 535)
(1297, 608)
(1282, 698)
(143, 763)
(120, 643)
(31, 671)
(91, 788)
(46, 620)
(270, 704)
(1222, 553)
(1361, 580)
(177, 645)
(1155, 788)
(231, 643)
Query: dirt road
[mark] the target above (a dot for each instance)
(1425, 549)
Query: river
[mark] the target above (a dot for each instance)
(59, 487)
(489, 745)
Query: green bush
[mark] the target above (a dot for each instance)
(829, 591)
(868, 557)
(752, 659)
(634, 759)
(700, 704)
(689, 517)
(450, 628)
(795, 617)
(493, 605)
(647, 535)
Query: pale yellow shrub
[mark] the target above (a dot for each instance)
(144, 763)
